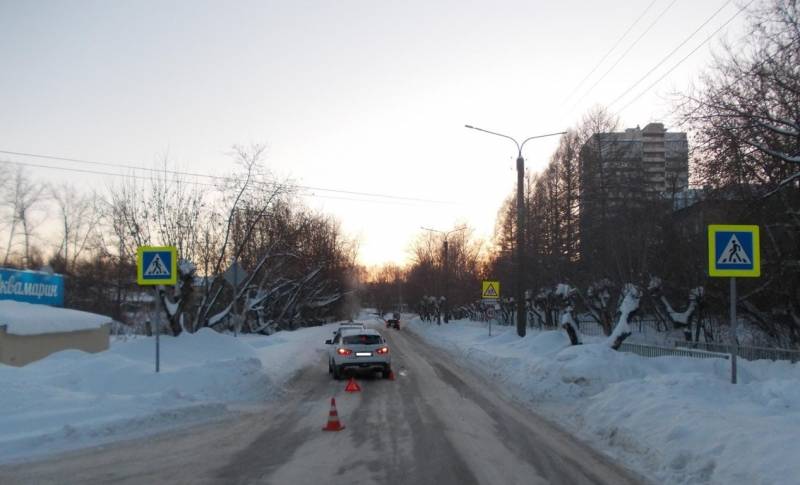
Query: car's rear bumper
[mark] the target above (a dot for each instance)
(365, 365)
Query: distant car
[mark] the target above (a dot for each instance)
(393, 322)
(358, 349)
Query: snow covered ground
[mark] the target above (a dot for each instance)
(676, 419)
(72, 399)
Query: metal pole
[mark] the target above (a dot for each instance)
(446, 282)
(235, 290)
(157, 319)
(735, 340)
(521, 315)
(520, 245)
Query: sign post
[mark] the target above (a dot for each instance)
(490, 293)
(157, 265)
(733, 251)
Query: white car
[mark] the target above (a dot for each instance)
(358, 349)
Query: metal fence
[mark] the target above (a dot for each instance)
(744, 351)
(656, 351)
(747, 352)
(590, 327)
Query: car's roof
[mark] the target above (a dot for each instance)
(360, 331)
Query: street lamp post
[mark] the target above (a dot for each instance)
(446, 271)
(521, 323)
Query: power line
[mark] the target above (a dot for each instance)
(671, 53)
(707, 39)
(619, 41)
(650, 27)
(98, 172)
(208, 176)
(198, 183)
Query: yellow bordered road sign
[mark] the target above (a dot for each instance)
(491, 290)
(157, 265)
(733, 251)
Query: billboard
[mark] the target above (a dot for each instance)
(31, 287)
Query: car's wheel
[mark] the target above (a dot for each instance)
(330, 368)
(386, 372)
(337, 372)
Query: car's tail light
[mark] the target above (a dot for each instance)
(344, 351)
(382, 351)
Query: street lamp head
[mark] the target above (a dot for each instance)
(469, 126)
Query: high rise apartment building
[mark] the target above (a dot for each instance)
(627, 170)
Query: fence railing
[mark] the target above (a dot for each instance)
(591, 328)
(747, 352)
(744, 351)
(657, 351)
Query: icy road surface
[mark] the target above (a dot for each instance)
(436, 423)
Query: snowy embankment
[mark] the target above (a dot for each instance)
(677, 420)
(72, 399)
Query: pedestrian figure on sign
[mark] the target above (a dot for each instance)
(734, 252)
(158, 268)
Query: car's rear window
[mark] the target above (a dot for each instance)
(362, 339)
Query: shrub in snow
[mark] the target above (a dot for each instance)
(565, 293)
(680, 320)
(545, 308)
(598, 303)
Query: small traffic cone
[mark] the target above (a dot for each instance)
(391, 375)
(352, 386)
(333, 419)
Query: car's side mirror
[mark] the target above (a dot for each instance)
(328, 342)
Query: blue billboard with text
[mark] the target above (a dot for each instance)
(31, 287)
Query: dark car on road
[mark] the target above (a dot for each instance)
(393, 322)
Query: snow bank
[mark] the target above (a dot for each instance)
(676, 419)
(29, 319)
(72, 399)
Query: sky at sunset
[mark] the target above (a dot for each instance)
(363, 103)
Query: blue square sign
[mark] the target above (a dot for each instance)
(733, 250)
(157, 265)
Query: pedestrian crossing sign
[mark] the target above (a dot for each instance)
(157, 265)
(733, 251)
(491, 290)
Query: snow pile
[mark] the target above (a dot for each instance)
(72, 399)
(28, 319)
(676, 419)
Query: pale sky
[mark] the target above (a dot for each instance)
(365, 96)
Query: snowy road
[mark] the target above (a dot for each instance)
(437, 423)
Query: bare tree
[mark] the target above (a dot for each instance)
(22, 198)
(629, 305)
(745, 116)
(79, 217)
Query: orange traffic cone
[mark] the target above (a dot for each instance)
(333, 419)
(352, 386)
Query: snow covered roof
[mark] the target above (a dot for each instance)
(28, 319)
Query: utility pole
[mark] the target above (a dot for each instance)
(446, 283)
(446, 265)
(520, 273)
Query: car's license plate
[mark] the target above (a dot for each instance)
(363, 354)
